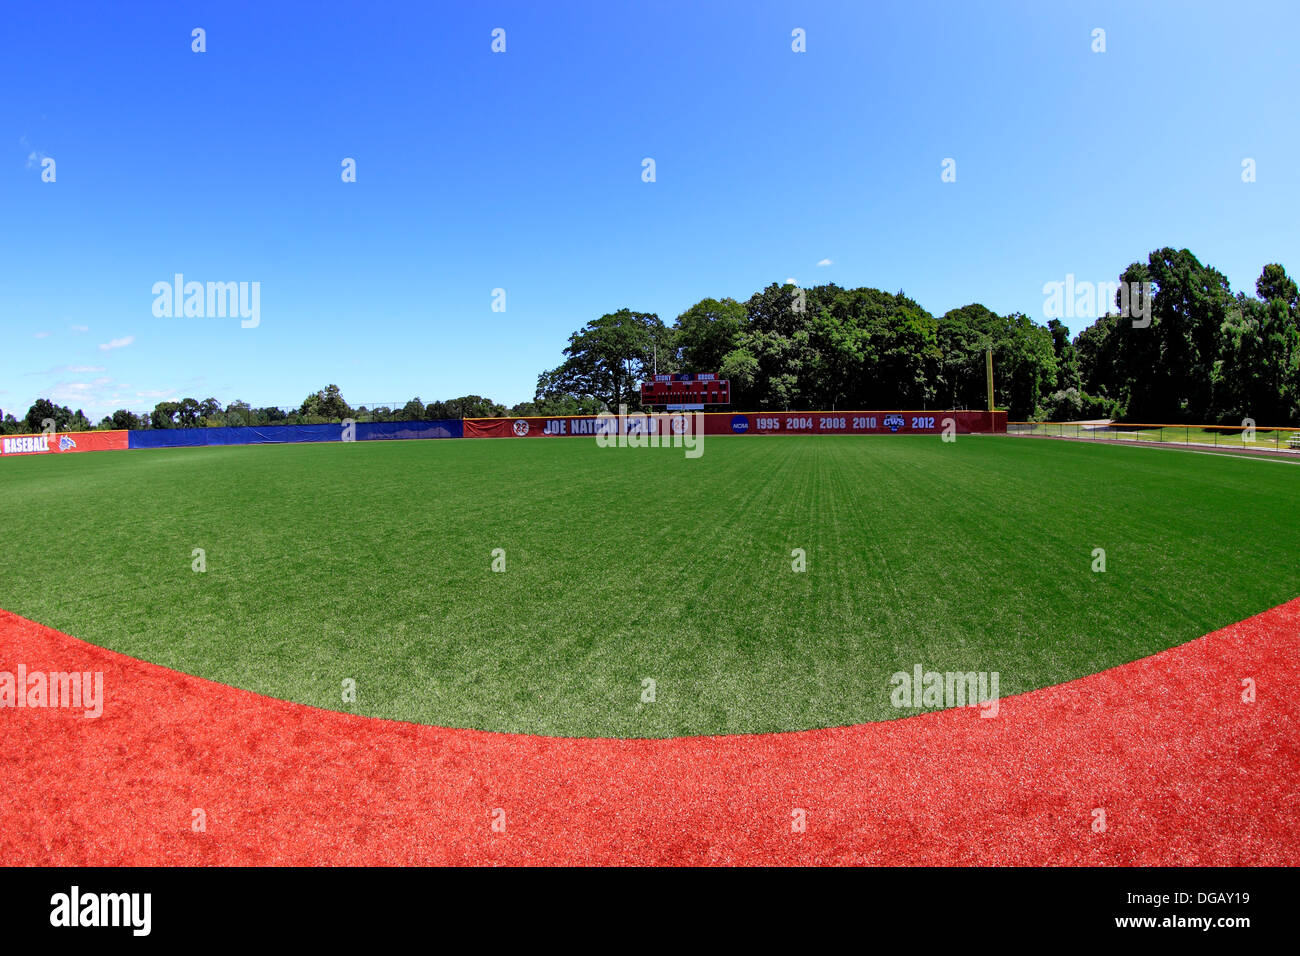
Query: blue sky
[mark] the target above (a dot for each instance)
(522, 171)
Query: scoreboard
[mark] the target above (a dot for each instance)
(686, 389)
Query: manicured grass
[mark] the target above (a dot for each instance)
(1263, 438)
(372, 561)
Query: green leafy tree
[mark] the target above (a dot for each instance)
(706, 333)
(43, 409)
(607, 358)
(1256, 374)
(164, 415)
(1067, 357)
(467, 406)
(964, 335)
(1274, 284)
(124, 419)
(327, 404)
(1190, 306)
(238, 413)
(187, 412)
(1099, 373)
(558, 404)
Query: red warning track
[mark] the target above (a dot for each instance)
(1185, 771)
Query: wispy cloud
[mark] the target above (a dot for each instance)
(825, 262)
(41, 335)
(98, 396)
(34, 156)
(70, 370)
(79, 328)
(117, 343)
(82, 388)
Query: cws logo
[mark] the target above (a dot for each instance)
(894, 422)
(739, 424)
(521, 427)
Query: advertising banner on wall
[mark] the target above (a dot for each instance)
(748, 423)
(666, 424)
(853, 423)
(63, 442)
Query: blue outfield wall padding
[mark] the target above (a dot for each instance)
(272, 434)
(378, 431)
(285, 434)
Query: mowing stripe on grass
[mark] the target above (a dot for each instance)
(372, 562)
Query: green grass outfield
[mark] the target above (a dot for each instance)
(1265, 439)
(372, 561)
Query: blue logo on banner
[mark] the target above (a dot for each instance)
(739, 424)
(894, 422)
(65, 443)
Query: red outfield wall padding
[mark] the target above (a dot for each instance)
(63, 442)
(586, 426)
(852, 423)
(749, 423)
(1167, 760)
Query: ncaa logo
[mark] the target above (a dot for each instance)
(739, 424)
(894, 422)
(520, 427)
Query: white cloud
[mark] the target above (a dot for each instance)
(42, 335)
(79, 328)
(97, 397)
(34, 157)
(117, 343)
(70, 369)
(791, 281)
(825, 262)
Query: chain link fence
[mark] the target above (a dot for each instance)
(1235, 437)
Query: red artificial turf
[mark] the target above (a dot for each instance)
(1186, 772)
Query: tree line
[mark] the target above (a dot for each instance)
(1197, 352)
(323, 407)
(1176, 345)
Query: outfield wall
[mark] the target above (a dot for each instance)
(715, 423)
(291, 434)
(62, 442)
(744, 423)
(853, 423)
